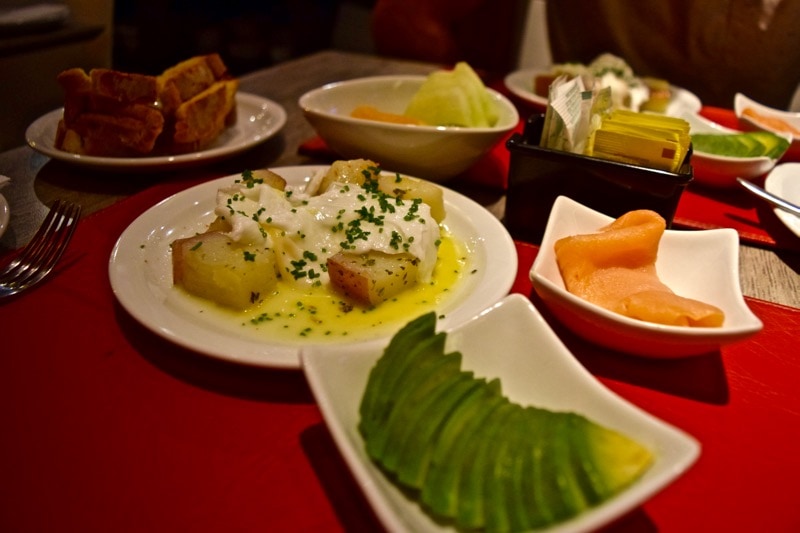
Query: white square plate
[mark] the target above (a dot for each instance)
(535, 368)
(703, 265)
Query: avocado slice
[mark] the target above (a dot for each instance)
(749, 144)
(457, 440)
(614, 460)
(426, 355)
(504, 503)
(475, 459)
(421, 435)
(404, 341)
(424, 381)
(774, 145)
(477, 465)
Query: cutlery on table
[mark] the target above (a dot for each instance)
(41, 254)
(777, 201)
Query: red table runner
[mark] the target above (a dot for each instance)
(107, 427)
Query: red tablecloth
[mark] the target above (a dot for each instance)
(107, 427)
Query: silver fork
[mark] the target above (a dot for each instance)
(41, 254)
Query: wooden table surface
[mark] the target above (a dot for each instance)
(37, 181)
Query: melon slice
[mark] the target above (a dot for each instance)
(453, 98)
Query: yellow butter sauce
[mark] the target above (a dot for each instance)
(302, 315)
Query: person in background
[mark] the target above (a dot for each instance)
(713, 48)
(481, 32)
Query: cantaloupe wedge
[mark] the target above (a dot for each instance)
(615, 268)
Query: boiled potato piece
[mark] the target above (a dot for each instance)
(349, 171)
(373, 277)
(270, 178)
(214, 267)
(407, 188)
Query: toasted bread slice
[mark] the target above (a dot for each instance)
(125, 87)
(114, 113)
(199, 121)
(187, 79)
(131, 133)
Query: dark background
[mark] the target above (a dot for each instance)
(151, 35)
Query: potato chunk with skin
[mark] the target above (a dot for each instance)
(214, 267)
(407, 188)
(373, 277)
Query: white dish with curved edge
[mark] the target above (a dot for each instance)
(742, 102)
(431, 152)
(703, 265)
(140, 270)
(520, 83)
(5, 214)
(546, 376)
(784, 181)
(720, 170)
(257, 119)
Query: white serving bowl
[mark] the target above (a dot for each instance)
(720, 170)
(703, 265)
(534, 368)
(741, 102)
(430, 152)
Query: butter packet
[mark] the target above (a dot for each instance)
(643, 139)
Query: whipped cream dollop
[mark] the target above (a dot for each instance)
(305, 229)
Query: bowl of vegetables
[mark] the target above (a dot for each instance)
(433, 127)
(721, 154)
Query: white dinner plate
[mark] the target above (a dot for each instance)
(140, 270)
(534, 368)
(784, 181)
(5, 214)
(257, 119)
(520, 83)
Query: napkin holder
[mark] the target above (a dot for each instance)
(537, 176)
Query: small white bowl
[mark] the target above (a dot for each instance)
(703, 265)
(431, 152)
(534, 368)
(719, 170)
(742, 102)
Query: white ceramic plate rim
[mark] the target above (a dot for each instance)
(565, 208)
(258, 119)
(548, 377)
(784, 181)
(308, 103)
(141, 277)
(520, 83)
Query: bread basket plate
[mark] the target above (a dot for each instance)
(140, 271)
(257, 119)
(520, 83)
